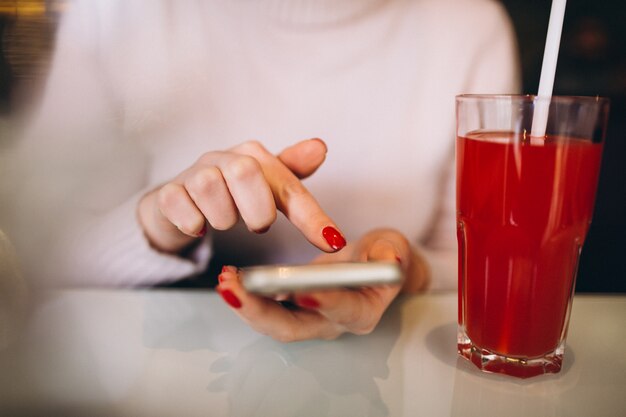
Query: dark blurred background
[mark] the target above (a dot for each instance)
(592, 62)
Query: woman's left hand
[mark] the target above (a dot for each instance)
(330, 313)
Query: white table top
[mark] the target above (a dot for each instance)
(183, 353)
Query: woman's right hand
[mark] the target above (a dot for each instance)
(246, 182)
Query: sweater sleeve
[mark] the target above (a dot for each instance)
(110, 249)
(494, 69)
(81, 178)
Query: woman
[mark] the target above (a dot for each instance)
(182, 123)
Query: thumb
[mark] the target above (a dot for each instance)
(304, 157)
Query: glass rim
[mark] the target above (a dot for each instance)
(531, 98)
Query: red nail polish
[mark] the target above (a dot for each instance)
(230, 298)
(333, 237)
(307, 302)
(220, 277)
(230, 268)
(202, 231)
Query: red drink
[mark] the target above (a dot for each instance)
(523, 212)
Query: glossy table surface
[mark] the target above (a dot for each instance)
(183, 353)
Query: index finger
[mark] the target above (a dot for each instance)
(295, 201)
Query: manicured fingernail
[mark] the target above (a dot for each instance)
(307, 302)
(333, 237)
(230, 298)
(220, 277)
(202, 231)
(229, 268)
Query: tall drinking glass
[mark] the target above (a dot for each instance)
(524, 206)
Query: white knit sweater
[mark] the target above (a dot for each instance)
(140, 89)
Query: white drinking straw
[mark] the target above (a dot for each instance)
(548, 69)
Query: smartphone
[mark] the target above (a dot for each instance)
(277, 279)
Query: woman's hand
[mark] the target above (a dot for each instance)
(328, 314)
(246, 182)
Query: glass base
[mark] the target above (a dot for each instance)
(488, 361)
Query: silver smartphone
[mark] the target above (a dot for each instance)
(277, 279)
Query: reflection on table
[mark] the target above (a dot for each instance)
(153, 353)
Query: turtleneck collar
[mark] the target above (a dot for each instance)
(312, 14)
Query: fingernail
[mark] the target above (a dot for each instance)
(333, 237)
(230, 298)
(202, 231)
(220, 277)
(321, 141)
(230, 268)
(307, 302)
(262, 230)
